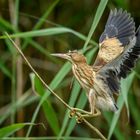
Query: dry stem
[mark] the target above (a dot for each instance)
(70, 108)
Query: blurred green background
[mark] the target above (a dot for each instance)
(43, 27)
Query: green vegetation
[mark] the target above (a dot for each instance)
(39, 28)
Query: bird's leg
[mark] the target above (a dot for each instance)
(91, 114)
(91, 98)
(79, 118)
(94, 111)
(74, 110)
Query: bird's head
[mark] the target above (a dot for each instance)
(72, 56)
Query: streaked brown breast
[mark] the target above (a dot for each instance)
(84, 74)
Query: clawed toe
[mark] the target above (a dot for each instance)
(81, 114)
(72, 113)
(79, 119)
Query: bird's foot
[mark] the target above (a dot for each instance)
(81, 114)
(72, 112)
(79, 118)
(89, 115)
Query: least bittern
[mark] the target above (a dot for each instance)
(119, 48)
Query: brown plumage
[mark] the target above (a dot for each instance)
(119, 48)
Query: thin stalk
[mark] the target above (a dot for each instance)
(61, 100)
(13, 82)
(17, 85)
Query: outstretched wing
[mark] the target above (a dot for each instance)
(120, 29)
(112, 72)
(119, 32)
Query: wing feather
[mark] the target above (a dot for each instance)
(119, 68)
(119, 33)
(119, 25)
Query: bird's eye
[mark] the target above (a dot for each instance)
(69, 53)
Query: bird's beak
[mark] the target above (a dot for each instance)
(62, 55)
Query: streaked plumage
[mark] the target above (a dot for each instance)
(119, 49)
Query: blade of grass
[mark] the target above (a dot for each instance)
(42, 50)
(47, 107)
(80, 104)
(9, 44)
(9, 130)
(5, 25)
(73, 97)
(125, 86)
(55, 82)
(42, 19)
(52, 138)
(14, 6)
(126, 82)
(119, 135)
(13, 82)
(5, 70)
(134, 110)
(25, 100)
(48, 32)
(122, 3)
(95, 22)
(16, 14)
(46, 14)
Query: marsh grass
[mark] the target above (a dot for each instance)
(45, 106)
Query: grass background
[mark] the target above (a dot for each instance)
(43, 27)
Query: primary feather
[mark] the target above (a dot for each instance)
(121, 26)
(119, 33)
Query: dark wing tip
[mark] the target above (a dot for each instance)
(110, 78)
(129, 58)
(112, 81)
(120, 25)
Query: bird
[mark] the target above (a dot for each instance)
(119, 50)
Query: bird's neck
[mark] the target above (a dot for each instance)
(84, 74)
